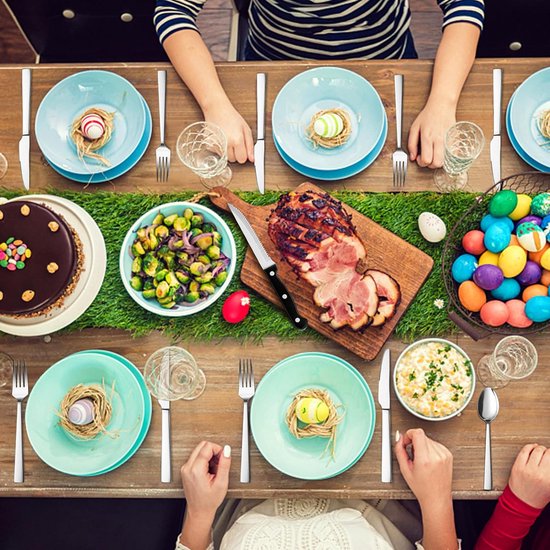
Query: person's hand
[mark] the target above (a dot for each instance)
(530, 477)
(429, 473)
(240, 145)
(205, 478)
(427, 134)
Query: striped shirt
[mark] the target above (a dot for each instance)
(321, 29)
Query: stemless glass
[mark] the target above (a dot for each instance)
(202, 147)
(514, 358)
(6, 368)
(463, 143)
(3, 165)
(172, 373)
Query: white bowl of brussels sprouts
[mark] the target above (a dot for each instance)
(177, 259)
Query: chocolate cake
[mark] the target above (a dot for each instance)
(40, 259)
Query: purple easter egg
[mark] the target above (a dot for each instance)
(488, 277)
(530, 218)
(531, 274)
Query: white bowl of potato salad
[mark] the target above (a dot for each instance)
(434, 379)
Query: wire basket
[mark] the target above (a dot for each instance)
(530, 183)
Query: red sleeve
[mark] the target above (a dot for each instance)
(509, 523)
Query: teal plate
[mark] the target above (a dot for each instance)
(148, 407)
(303, 458)
(65, 453)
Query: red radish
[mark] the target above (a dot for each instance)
(236, 307)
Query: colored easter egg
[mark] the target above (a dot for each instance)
(92, 126)
(472, 242)
(534, 290)
(545, 223)
(503, 203)
(531, 236)
(463, 268)
(311, 410)
(536, 256)
(517, 317)
(497, 237)
(522, 209)
(545, 260)
(530, 275)
(494, 313)
(488, 277)
(512, 260)
(513, 240)
(488, 257)
(538, 308)
(328, 125)
(535, 219)
(545, 277)
(541, 205)
(489, 220)
(236, 307)
(471, 296)
(431, 227)
(508, 290)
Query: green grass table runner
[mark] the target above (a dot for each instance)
(113, 308)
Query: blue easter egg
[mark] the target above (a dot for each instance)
(497, 237)
(489, 220)
(538, 309)
(508, 290)
(464, 267)
(545, 224)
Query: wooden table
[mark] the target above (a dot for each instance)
(524, 406)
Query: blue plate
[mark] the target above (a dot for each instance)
(331, 175)
(128, 164)
(70, 98)
(327, 88)
(518, 147)
(529, 100)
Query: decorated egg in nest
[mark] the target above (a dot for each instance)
(541, 205)
(311, 410)
(92, 126)
(531, 236)
(328, 125)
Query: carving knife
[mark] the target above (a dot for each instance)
(496, 141)
(165, 455)
(259, 147)
(384, 402)
(25, 141)
(269, 267)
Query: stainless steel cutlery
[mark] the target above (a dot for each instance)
(487, 408)
(20, 390)
(25, 141)
(246, 392)
(259, 147)
(384, 402)
(162, 152)
(399, 157)
(495, 147)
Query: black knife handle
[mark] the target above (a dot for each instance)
(286, 299)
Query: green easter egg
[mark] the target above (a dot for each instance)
(541, 205)
(503, 203)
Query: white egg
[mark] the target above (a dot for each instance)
(431, 227)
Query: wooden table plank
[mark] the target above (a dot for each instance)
(523, 405)
(239, 82)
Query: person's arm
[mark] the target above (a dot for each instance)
(527, 493)
(429, 474)
(463, 20)
(205, 478)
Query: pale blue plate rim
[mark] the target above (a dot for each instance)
(368, 395)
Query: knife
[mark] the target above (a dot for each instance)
(165, 465)
(259, 147)
(384, 402)
(25, 141)
(496, 141)
(269, 267)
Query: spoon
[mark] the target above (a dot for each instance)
(487, 408)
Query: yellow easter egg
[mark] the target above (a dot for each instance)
(488, 257)
(522, 209)
(311, 410)
(512, 260)
(545, 260)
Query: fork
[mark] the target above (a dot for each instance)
(246, 392)
(20, 390)
(162, 152)
(399, 157)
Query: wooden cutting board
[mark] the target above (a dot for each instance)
(408, 265)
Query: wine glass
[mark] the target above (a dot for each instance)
(3, 165)
(463, 143)
(172, 373)
(6, 368)
(514, 358)
(202, 147)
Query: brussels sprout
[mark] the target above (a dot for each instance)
(165, 300)
(148, 284)
(137, 249)
(204, 259)
(149, 293)
(155, 283)
(142, 233)
(197, 220)
(162, 251)
(194, 286)
(169, 220)
(162, 231)
(188, 213)
(172, 280)
(182, 277)
(145, 245)
(209, 288)
(171, 263)
(208, 228)
(178, 244)
(136, 283)
(162, 289)
(206, 278)
(204, 242)
(192, 297)
(182, 257)
(220, 278)
(153, 242)
(196, 231)
(150, 264)
(217, 238)
(136, 265)
(161, 275)
(169, 305)
(159, 219)
(214, 252)
(181, 224)
(197, 269)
